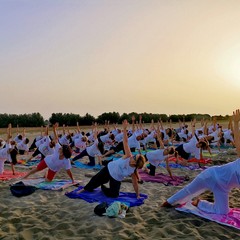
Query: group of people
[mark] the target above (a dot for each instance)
(56, 151)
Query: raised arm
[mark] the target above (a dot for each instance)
(78, 128)
(236, 119)
(125, 139)
(133, 123)
(159, 137)
(9, 132)
(55, 126)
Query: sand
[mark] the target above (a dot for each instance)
(52, 215)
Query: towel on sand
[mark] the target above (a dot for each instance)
(98, 196)
(231, 219)
(8, 175)
(162, 178)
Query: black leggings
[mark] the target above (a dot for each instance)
(83, 154)
(102, 177)
(152, 170)
(182, 153)
(38, 152)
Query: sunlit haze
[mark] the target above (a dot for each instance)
(154, 56)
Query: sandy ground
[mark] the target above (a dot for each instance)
(52, 215)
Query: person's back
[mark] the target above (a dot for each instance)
(228, 175)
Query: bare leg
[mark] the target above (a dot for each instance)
(13, 169)
(34, 170)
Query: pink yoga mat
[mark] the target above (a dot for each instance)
(8, 175)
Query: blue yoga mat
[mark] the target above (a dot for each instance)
(98, 196)
(85, 166)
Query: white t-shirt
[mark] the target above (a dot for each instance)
(40, 141)
(119, 137)
(119, 169)
(156, 157)
(79, 143)
(45, 149)
(63, 140)
(22, 145)
(4, 155)
(133, 142)
(150, 137)
(191, 147)
(54, 163)
(93, 149)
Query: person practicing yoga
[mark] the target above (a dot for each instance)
(55, 162)
(218, 179)
(117, 170)
(45, 146)
(96, 149)
(157, 156)
(195, 146)
(133, 141)
(8, 152)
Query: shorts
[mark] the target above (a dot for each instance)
(42, 165)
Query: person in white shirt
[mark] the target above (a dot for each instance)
(8, 152)
(218, 179)
(45, 146)
(55, 162)
(117, 170)
(194, 147)
(96, 149)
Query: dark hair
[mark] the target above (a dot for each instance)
(19, 136)
(101, 147)
(13, 155)
(204, 145)
(67, 151)
(140, 161)
(169, 132)
(111, 136)
(171, 150)
(26, 140)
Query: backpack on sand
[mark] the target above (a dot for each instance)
(19, 189)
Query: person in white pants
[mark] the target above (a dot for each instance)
(218, 179)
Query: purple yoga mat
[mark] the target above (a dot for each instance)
(162, 178)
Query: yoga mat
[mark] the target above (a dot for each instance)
(190, 167)
(192, 160)
(85, 166)
(8, 175)
(162, 178)
(98, 196)
(55, 185)
(231, 219)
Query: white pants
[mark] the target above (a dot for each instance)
(204, 181)
(2, 166)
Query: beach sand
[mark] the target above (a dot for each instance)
(52, 215)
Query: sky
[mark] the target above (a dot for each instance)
(154, 56)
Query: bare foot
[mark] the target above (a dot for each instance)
(195, 202)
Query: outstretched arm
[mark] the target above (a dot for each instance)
(135, 184)
(69, 172)
(236, 119)
(55, 126)
(125, 139)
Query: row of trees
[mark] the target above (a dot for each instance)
(22, 120)
(70, 119)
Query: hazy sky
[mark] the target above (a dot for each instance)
(158, 56)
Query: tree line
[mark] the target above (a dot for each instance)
(70, 119)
